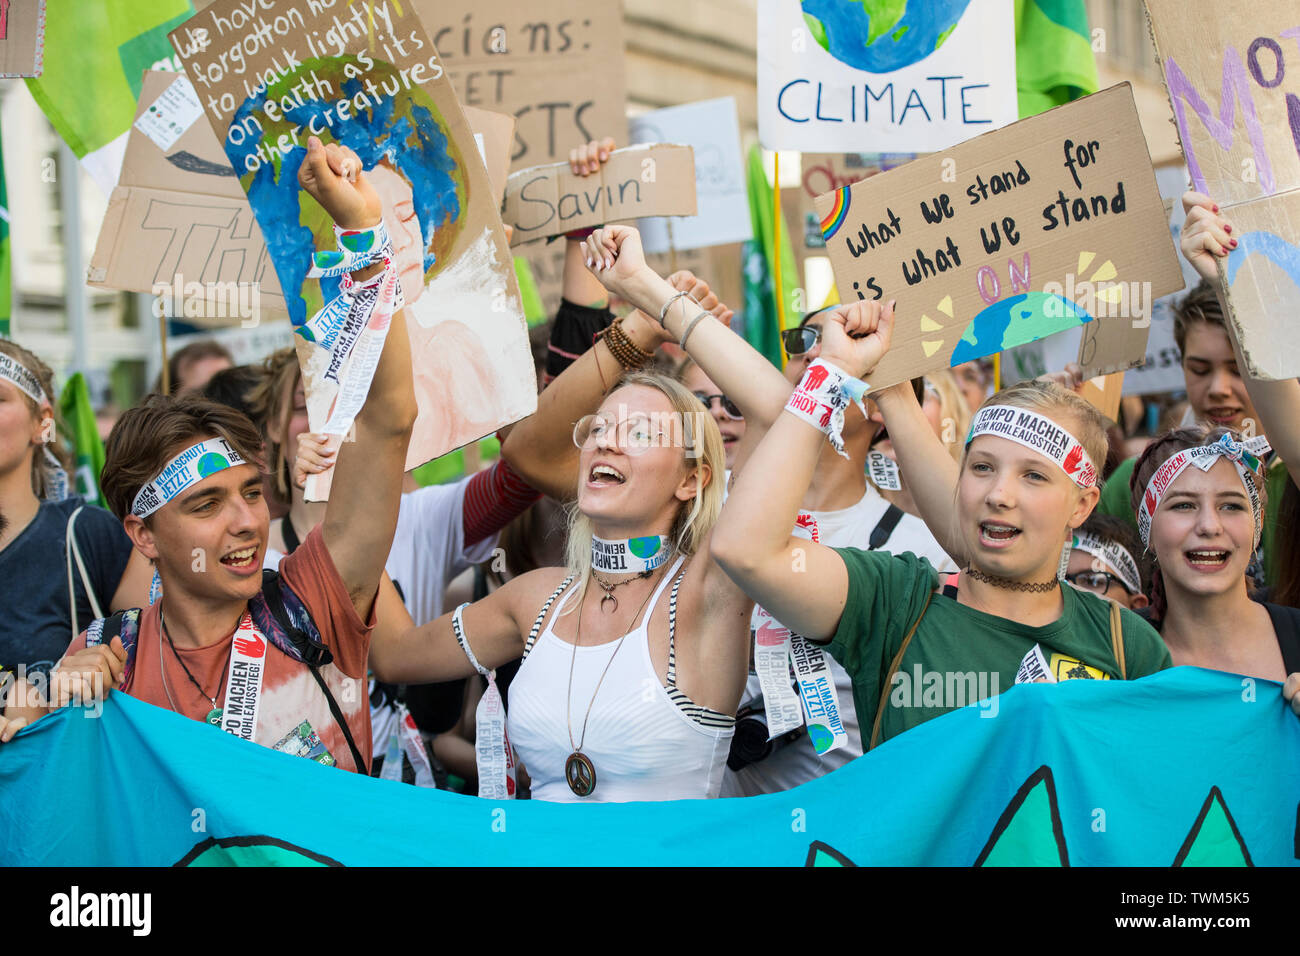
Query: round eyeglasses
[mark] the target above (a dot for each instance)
(634, 435)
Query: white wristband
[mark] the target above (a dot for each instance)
(823, 395)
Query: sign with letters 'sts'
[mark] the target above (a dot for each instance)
(840, 77)
(557, 66)
(1051, 224)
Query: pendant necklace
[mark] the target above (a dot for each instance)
(608, 588)
(214, 715)
(579, 771)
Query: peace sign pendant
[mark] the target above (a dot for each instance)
(580, 773)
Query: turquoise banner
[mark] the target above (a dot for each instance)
(1188, 767)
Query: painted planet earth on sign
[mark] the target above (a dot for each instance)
(881, 36)
(403, 132)
(1017, 320)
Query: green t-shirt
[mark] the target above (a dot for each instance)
(1116, 501)
(960, 655)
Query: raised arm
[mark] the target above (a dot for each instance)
(430, 652)
(802, 584)
(1207, 237)
(362, 512)
(931, 472)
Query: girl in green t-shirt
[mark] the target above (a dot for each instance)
(1026, 481)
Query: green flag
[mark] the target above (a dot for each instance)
(758, 256)
(534, 310)
(1054, 61)
(82, 433)
(95, 58)
(6, 290)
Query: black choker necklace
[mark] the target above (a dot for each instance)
(609, 588)
(1038, 588)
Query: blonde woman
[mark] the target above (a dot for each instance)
(635, 654)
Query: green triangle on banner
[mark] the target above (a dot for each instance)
(1214, 839)
(1029, 832)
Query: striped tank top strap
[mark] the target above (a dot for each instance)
(672, 630)
(537, 624)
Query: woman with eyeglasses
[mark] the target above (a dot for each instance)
(1107, 559)
(840, 508)
(635, 653)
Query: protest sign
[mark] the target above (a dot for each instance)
(368, 78)
(835, 76)
(556, 66)
(711, 129)
(1164, 756)
(22, 37)
(1244, 152)
(178, 226)
(637, 181)
(1050, 224)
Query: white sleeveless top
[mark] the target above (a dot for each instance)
(646, 741)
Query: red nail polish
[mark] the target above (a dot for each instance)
(1216, 208)
(1233, 243)
(1227, 228)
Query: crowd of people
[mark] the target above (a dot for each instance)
(744, 529)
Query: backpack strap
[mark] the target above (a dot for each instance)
(1117, 638)
(73, 551)
(307, 648)
(884, 527)
(124, 625)
(893, 669)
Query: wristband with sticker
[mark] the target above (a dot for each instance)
(821, 398)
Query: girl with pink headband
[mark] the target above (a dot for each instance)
(1200, 500)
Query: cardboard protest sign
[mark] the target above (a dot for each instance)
(1050, 224)
(1233, 78)
(178, 226)
(919, 77)
(557, 66)
(711, 129)
(637, 181)
(368, 78)
(22, 37)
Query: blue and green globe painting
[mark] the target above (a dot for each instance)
(880, 36)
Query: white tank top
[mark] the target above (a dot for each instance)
(646, 741)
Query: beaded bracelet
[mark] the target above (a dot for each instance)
(628, 354)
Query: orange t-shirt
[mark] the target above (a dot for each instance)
(290, 694)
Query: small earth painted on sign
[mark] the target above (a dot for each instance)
(880, 36)
(1016, 320)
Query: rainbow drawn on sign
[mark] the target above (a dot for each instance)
(839, 212)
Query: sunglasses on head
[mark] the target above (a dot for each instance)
(800, 340)
(729, 407)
